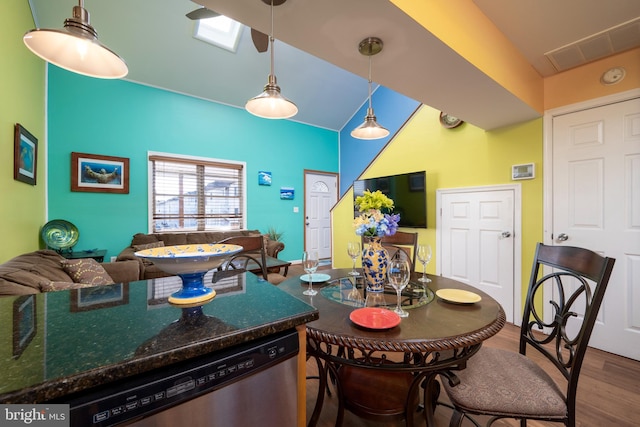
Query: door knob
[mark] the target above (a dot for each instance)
(562, 237)
(306, 223)
(505, 235)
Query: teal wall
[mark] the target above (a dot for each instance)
(392, 111)
(124, 119)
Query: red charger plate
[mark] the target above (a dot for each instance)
(374, 318)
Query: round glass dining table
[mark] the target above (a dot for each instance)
(437, 338)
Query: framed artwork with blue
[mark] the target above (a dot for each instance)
(287, 193)
(264, 178)
(25, 155)
(99, 174)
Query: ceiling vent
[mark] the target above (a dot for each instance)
(609, 42)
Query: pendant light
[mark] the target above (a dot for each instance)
(370, 129)
(270, 104)
(76, 48)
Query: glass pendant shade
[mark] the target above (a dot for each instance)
(370, 129)
(270, 104)
(76, 48)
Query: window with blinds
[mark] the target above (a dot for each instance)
(196, 195)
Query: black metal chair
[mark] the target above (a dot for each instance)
(506, 384)
(252, 258)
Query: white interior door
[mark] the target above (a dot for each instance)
(477, 242)
(320, 195)
(596, 205)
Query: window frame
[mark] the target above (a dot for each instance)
(153, 155)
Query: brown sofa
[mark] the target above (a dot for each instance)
(33, 273)
(150, 271)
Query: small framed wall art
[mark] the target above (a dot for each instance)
(287, 193)
(25, 155)
(526, 171)
(99, 174)
(264, 178)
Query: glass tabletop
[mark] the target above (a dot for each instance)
(351, 291)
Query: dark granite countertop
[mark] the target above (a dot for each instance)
(60, 343)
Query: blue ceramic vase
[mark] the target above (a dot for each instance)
(375, 260)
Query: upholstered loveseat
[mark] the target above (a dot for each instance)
(142, 241)
(46, 270)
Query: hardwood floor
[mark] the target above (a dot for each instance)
(608, 391)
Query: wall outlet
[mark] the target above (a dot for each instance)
(113, 259)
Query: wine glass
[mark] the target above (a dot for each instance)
(310, 265)
(424, 256)
(398, 274)
(353, 249)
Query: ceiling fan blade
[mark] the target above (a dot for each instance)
(260, 40)
(202, 13)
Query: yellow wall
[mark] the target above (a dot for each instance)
(583, 83)
(466, 156)
(22, 100)
(466, 30)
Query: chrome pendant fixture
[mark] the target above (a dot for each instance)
(270, 104)
(370, 129)
(76, 48)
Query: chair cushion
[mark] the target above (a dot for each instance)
(86, 270)
(506, 383)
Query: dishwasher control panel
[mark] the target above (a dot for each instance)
(161, 389)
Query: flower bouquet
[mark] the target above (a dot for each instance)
(376, 218)
(375, 221)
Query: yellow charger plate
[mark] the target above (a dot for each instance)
(458, 296)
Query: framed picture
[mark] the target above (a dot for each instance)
(93, 298)
(99, 174)
(25, 155)
(287, 193)
(24, 323)
(264, 178)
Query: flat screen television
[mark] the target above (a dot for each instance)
(408, 192)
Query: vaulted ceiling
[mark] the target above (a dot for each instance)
(316, 58)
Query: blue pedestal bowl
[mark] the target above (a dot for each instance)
(191, 263)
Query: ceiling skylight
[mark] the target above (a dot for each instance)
(219, 31)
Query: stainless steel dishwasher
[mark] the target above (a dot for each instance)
(254, 384)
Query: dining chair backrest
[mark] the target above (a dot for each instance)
(578, 279)
(402, 241)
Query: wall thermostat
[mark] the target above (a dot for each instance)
(526, 171)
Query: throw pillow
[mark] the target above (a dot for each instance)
(61, 286)
(138, 248)
(86, 270)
